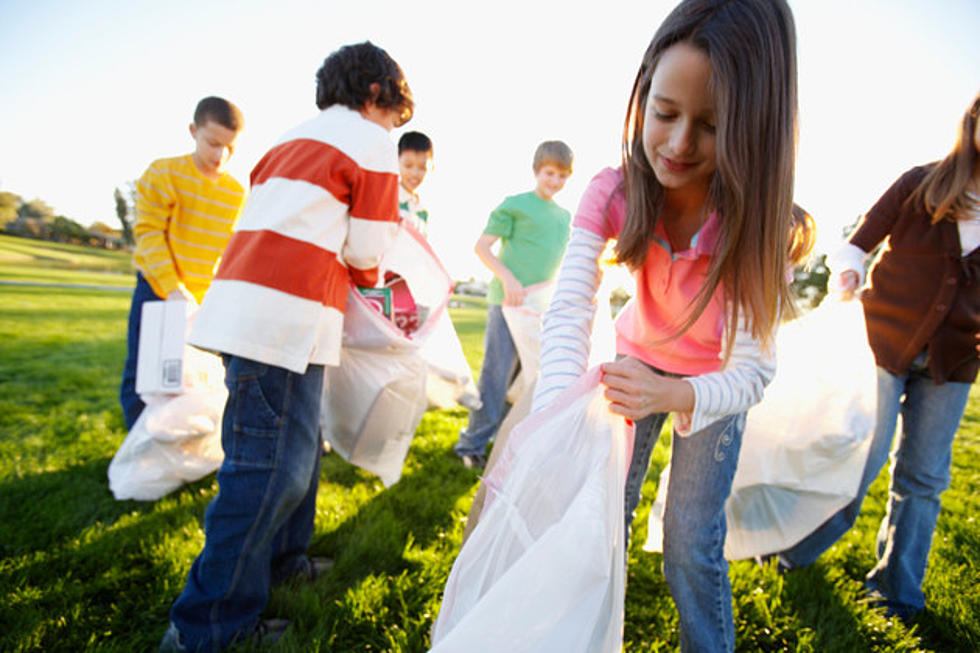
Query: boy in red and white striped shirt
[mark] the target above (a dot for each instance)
(322, 209)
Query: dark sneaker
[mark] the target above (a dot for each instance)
(320, 566)
(172, 641)
(782, 567)
(904, 612)
(309, 570)
(473, 461)
(267, 631)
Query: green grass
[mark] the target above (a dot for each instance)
(81, 571)
(23, 260)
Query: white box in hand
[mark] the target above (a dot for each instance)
(160, 362)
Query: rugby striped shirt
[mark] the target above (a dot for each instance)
(322, 209)
(183, 222)
(719, 391)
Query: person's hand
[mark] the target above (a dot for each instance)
(635, 391)
(181, 293)
(514, 292)
(848, 284)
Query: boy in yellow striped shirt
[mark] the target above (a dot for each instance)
(186, 208)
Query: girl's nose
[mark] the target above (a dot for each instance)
(682, 139)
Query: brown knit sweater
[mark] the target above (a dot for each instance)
(923, 292)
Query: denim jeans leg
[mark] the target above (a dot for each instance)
(293, 540)
(702, 466)
(499, 361)
(271, 444)
(920, 472)
(806, 551)
(131, 403)
(646, 432)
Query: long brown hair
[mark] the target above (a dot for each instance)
(943, 190)
(751, 45)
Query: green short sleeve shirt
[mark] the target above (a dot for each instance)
(533, 234)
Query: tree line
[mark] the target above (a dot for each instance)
(36, 219)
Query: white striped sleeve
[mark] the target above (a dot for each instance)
(567, 324)
(734, 389)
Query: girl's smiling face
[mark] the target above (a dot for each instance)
(679, 120)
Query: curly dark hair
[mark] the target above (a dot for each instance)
(347, 75)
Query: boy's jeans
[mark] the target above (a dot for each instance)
(499, 361)
(919, 473)
(702, 466)
(260, 524)
(131, 403)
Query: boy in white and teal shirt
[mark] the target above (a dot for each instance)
(414, 161)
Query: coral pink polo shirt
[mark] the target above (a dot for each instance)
(666, 285)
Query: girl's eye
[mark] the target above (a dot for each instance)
(662, 116)
(708, 127)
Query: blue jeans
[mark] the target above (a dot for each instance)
(258, 527)
(919, 473)
(702, 466)
(499, 364)
(131, 403)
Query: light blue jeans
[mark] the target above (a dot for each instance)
(258, 527)
(499, 365)
(702, 466)
(920, 464)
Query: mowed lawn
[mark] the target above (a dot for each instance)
(81, 571)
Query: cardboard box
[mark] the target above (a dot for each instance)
(160, 362)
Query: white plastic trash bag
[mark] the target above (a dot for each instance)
(374, 399)
(449, 380)
(373, 402)
(806, 442)
(543, 570)
(177, 438)
(524, 324)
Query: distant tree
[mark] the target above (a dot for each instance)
(36, 209)
(123, 212)
(809, 284)
(66, 230)
(33, 220)
(9, 204)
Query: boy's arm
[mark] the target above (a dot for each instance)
(514, 291)
(374, 223)
(155, 205)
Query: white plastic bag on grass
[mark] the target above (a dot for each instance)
(543, 570)
(374, 399)
(806, 442)
(177, 438)
(373, 402)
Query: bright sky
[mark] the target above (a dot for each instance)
(93, 91)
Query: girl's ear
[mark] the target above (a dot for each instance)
(375, 89)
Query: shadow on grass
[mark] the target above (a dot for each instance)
(81, 568)
(391, 560)
(44, 510)
(83, 571)
(819, 603)
(939, 633)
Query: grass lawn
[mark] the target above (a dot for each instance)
(81, 571)
(37, 261)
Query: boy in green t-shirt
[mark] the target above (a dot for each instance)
(533, 232)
